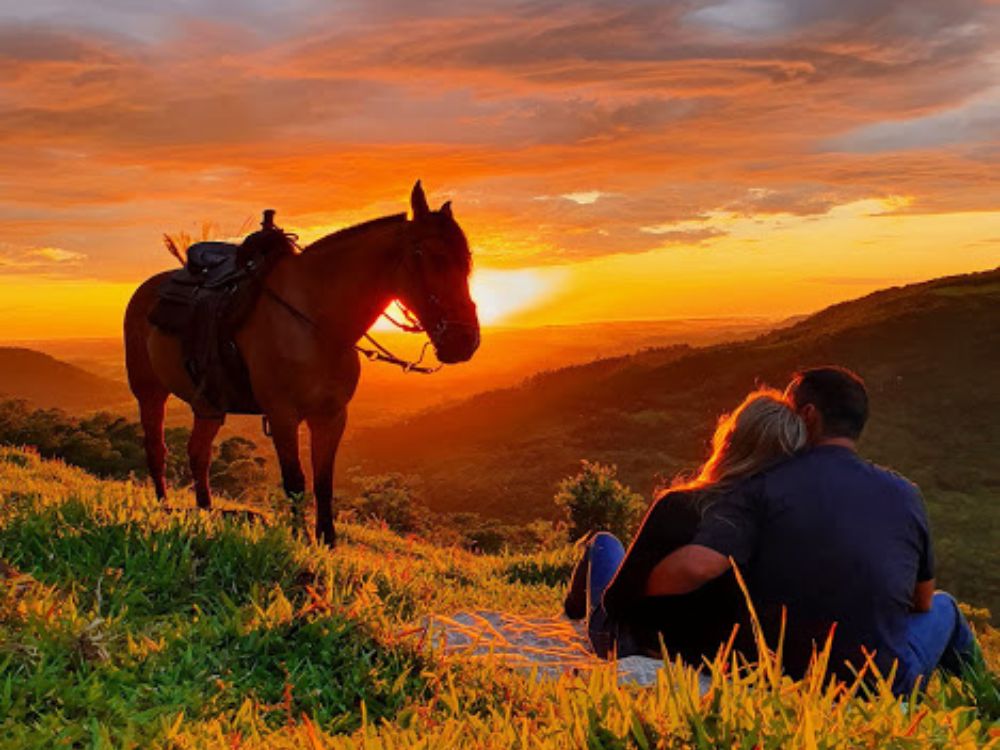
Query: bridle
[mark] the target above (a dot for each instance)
(377, 354)
(410, 324)
(413, 324)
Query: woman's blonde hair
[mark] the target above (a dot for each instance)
(760, 432)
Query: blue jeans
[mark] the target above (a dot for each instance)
(939, 638)
(604, 555)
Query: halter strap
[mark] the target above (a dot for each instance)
(380, 353)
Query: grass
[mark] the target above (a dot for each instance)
(126, 625)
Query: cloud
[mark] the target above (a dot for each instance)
(56, 255)
(975, 122)
(583, 198)
(51, 260)
(118, 121)
(579, 197)
(693, 236)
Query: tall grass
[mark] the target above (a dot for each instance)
(124, 624)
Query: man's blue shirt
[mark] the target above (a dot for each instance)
(833, 539)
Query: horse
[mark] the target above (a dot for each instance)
(299, 342)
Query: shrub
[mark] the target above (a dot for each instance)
(594, 500)
(488, 536)
(539, 572)
(534, 536)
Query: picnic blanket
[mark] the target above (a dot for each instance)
(551, 646)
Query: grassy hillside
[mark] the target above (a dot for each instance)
(930, 354)
(127, 625)
(47, 382)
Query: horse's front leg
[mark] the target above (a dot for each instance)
(325, 433)
(285, 435)
(200, 456)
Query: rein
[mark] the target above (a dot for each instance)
(379, 353)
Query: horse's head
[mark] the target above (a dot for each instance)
(434, 280)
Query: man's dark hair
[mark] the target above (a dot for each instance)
(839, 396)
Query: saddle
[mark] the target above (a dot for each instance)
(205, 304)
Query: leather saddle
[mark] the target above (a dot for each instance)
(205, 304)
(212, 261)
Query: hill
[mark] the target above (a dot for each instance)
(45, 381)
(124, 624)
(385, 394)
(929, 352)
(509, 355)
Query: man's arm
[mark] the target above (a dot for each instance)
(923, 594)
(685, 570)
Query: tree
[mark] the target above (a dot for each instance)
(109, 445)
(237, 471)
(389, 498)
(594, 500)
(178, 468)
(102, 443)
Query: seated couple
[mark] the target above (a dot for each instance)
(814, 529)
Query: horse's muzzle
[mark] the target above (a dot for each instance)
(457, 342)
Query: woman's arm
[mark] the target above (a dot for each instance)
(670, 523)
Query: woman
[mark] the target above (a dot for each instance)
(608, 584)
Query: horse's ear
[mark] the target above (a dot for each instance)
(418, 202)
(446, 209)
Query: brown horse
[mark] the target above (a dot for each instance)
(299, 341)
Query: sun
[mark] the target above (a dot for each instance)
(501, 296)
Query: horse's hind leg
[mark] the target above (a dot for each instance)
(200, 456)
(325, 434)
(151, 408)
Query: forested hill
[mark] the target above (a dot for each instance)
(929, 352)
(45, 381)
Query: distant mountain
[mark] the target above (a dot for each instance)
(45, 382)
(506, 356)
(930, 354)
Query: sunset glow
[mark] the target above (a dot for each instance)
(638, 160)
(506, 295)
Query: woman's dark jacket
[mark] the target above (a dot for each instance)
(691, 625)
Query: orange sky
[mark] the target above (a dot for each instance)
(607, 160)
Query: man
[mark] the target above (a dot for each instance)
(832, 540)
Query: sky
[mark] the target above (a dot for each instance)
(607, 160)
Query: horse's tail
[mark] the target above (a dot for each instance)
(173, 249)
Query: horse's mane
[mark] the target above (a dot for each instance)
(348, 232)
